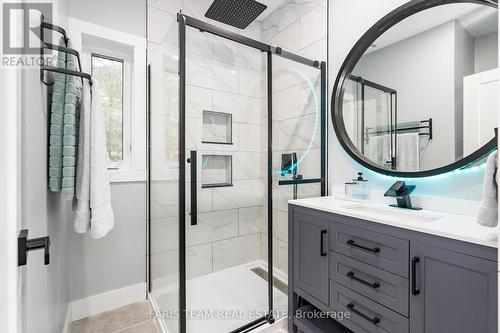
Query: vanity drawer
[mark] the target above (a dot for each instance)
(380, 286)
(385, 252)
(365, 315)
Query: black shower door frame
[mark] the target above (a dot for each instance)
(187, 21)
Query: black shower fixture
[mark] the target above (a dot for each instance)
(237, 13)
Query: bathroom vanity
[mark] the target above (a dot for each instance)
(389, 270)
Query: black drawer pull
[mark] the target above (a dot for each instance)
(374, 320)
(414, 289)
(373, 285)
(374, 250)
(321, 243)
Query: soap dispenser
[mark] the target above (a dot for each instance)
(361, 190)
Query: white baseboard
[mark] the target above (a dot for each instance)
(67, 320)
(107, 301)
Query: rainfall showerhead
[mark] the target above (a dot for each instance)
(237, 13)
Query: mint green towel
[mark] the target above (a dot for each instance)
(70, 129)
(56, 125)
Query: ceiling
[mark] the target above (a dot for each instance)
(477, 19)
(272, 5)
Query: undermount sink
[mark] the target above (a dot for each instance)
(391, 213)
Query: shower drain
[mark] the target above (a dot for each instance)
(277, 283)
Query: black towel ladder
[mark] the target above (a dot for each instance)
(45, 25)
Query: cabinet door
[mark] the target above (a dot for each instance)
(311, 255)
(451, 292)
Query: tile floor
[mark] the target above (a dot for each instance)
(132, 318)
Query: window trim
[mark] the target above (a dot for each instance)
(82, 32)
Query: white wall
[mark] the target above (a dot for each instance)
(422, 69)
(123, 15)
(486, 49)
(348, 21)
(45, 288)
(118, 259)
(463, 66)
(10, 175)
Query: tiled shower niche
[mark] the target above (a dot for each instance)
(217, 171)
(217, 127)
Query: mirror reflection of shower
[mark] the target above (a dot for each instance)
(374, 126)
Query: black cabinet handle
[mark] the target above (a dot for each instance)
(374, 320)
(414, 289)
(322, 245)
(373, 285)
(194, 187)
(350, 242)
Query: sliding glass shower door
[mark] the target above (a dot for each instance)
(370, 117)
(226, 178)
(222, 121)
(298, 149)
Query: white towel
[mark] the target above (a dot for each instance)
(92, 207)
(378, 149)
(488, 211)
(408, 152)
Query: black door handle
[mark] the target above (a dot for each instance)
(350, 242)
(24, 245)
(414, 289)
(321, 243)
(375, 320)
(373, 285)
(194, 187)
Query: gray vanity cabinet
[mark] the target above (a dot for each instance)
(311, 260)
(390, 280)
(451, 292)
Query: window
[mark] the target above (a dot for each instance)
(110, 64)
(109, 73)
(118, 63)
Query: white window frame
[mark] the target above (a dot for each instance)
(91, 38)
(88, 52)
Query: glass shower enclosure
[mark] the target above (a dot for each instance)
(371, 120)
(227, 150)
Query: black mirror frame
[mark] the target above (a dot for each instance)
(348, 66)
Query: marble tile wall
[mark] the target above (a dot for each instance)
(221, 76)
(299, 26)
(226, 77)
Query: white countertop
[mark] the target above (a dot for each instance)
(459, 227)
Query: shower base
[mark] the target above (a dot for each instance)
(222, 301)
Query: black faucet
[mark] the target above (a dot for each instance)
(401, 192)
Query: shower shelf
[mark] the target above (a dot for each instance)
(217, 128)
(216, 185)
(410, 126)
(217, 171)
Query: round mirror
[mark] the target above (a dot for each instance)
(418, 93)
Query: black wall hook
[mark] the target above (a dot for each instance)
(24, 245)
